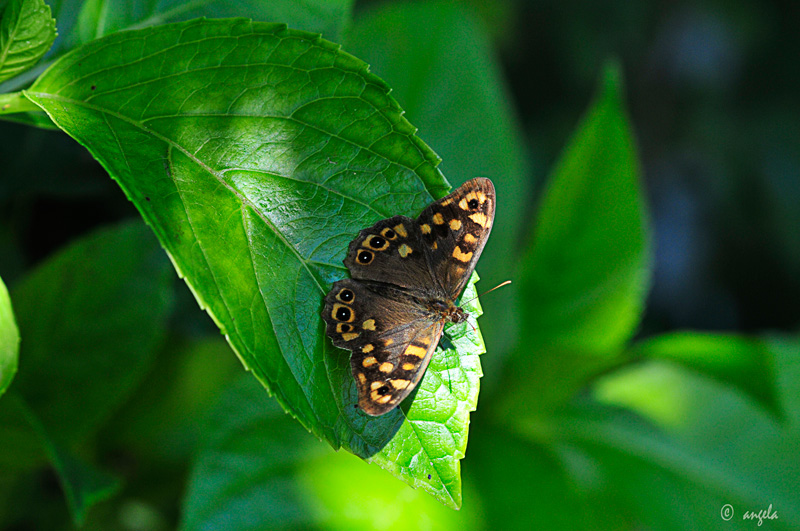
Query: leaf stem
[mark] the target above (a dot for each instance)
(16, 102)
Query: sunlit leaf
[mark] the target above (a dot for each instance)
(710, 438)
(256, 153)
(737, 359)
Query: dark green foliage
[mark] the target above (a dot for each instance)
(255, 151)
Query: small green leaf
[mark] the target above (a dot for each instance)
(256, 153)
(9, 340)
(585, 273)
(91, 316)
(26, 32)
(737, 359)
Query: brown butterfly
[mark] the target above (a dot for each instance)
(406, 277)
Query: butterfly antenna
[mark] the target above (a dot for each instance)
(506, 283)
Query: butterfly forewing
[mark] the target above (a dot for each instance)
(390, 251)
(454, 231)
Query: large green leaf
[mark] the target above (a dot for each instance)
(585, 273)
(26, 32)
(9, 340)
(741, 360)
(452, 88)
(256, 153)
(257, 469)
(711, 439)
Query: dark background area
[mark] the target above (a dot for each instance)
(712, 92)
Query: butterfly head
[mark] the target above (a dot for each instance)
(448, 311)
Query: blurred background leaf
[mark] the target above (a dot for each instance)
(9, 340)
(92, 317)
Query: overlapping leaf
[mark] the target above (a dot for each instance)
(256, 153)
(26, 32)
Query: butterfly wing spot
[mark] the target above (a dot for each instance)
(413, 350)
(405, 250)
(438, 219)
(408, 366)
(369, 362)
(344, 327)
(400, 384)
(365, 257)
(434, 246)
(481, 219)
(461, 256)
(369, 347)
(377, 243)
(381, 399)
(389, 234)
(472, 200)
(425, 228)
(351, 336)
(369, 324)
(345, 295)
(388, 342)
(447, 201)
(455, 224)
(386, 367)
(362, 378)
(401, 230)
(470, 238)
(342, 313)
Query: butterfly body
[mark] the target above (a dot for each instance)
(406, 277)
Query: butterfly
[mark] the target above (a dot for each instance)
(406, 276)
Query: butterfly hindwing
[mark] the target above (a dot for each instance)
(454, 231)
(391, 339)
(389, 372)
